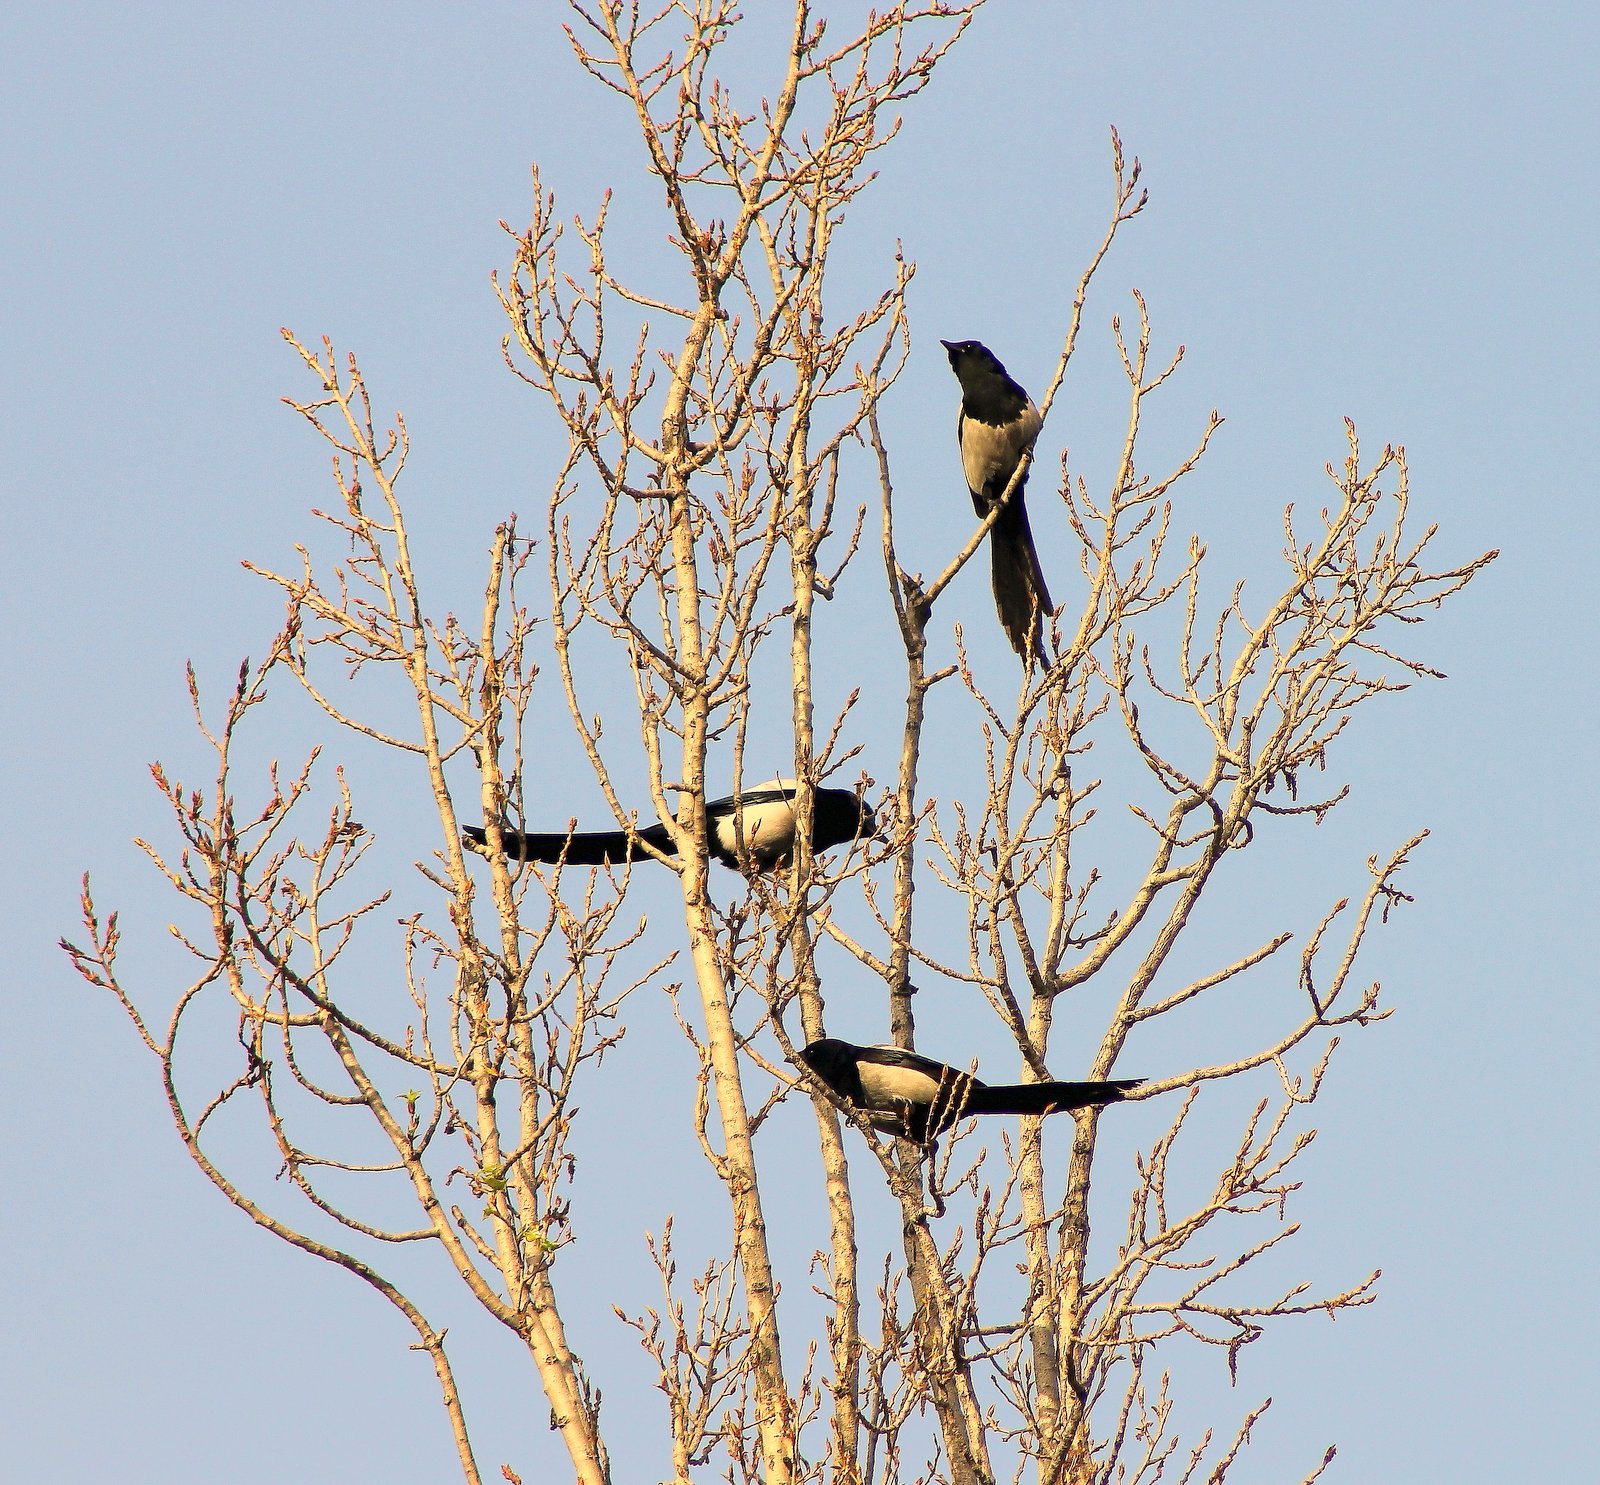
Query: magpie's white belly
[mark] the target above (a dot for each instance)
(989, 450)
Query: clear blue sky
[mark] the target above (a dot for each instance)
(1375, 210)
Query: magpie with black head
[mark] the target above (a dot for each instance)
(917, 1099)
(996, 427)
(757, 824)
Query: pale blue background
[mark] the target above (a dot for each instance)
(1380, 211)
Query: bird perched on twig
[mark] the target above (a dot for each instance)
(996, 427)
(917, 1099)
(757, 824)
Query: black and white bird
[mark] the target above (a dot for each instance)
(916, 1098)
(997, 425)
(757, 824)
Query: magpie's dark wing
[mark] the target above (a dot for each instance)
(778, 792)
(899, 1057)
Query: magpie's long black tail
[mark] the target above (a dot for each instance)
(1043, 1098)
(1020, 596)
(581, 848)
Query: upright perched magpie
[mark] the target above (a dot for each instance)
(761, 820)
(917, 1099)
(995, 428)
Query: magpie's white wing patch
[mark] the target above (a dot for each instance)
(766, 820)
(884, 1086)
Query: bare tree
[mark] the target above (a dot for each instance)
(691, 530)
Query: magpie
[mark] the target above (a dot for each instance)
(996, 426)
(917, 1099)
(763, 816)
